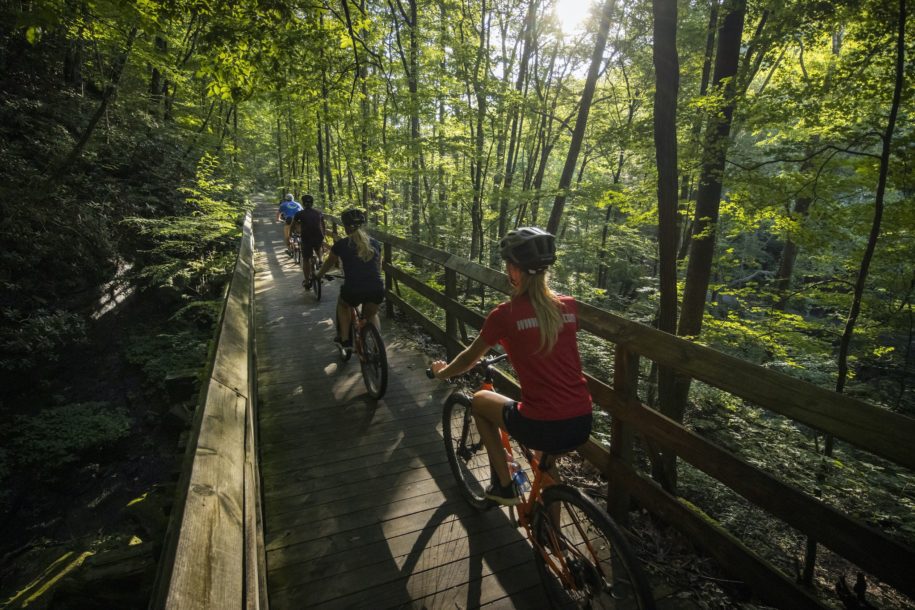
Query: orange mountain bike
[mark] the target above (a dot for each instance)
(581, 554)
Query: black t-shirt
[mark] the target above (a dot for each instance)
(364, 274)
(311, 225)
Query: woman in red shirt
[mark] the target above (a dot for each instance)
(537, 329)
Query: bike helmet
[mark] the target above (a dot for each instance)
(352, 218)
(532, 249)
(288, 197)
(308, 201)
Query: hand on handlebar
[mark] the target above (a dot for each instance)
(435, 367)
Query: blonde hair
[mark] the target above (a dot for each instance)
(547, 308)
(360, 241)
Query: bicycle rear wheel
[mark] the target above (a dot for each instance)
(466, 453)
(315, 281)
(296, 252)
(585, 562)
(374, 361)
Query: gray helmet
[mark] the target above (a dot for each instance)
(288, 197)
(530, 248)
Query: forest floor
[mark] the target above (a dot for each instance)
(111, 501)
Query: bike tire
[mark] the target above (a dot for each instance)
(315, 282)
(374, 361)
(596, 568)
(466, 453)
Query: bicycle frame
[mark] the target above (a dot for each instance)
(542, 479)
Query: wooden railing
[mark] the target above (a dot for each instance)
(213, 555)
(863, 425)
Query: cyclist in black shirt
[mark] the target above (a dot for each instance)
(309, 223)
(361, 258)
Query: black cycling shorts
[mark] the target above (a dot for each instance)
(552, 436)
(356, 296)
(288, 220)
(311, 248)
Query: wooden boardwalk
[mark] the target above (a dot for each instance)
(360, 508)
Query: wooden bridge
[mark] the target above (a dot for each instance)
(299, 491)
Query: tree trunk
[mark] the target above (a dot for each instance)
(667, 79)
(708, 199)
(107, 97)
(516, 114)
(579, 132)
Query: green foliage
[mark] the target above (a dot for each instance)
(56, 436)
(192, 253)
(160, 353)
(28, 341)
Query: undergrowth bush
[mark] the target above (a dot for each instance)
(56, 436)
(160, 353)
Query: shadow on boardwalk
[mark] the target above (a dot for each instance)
(360, 506)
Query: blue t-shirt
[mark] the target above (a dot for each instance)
(364, 274)
(289, 208)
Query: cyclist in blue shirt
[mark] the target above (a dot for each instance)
(361, 258)
(288, 207)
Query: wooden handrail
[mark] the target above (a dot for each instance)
(862, 424)
(213, 556)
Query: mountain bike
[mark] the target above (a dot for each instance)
(316, 260)
(369, 348)
(581, 554)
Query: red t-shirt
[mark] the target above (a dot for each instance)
(552, 385)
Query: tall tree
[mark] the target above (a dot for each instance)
(581, 122)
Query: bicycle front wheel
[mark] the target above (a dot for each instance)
(584, 560)
(466, 453)
(374, 361)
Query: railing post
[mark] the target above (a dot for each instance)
(451, 322)
(626, 382)
(388, 279)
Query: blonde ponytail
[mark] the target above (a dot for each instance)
(360, 240)
(547, 308)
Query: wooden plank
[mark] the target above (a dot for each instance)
(213, 554)
(877, 430)
(208, 566)
(869, 548)
(490, 277)
(732, 555)
(451, 306)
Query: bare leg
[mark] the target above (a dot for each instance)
(286, 229)
(486, 409)
(343, 319)
(370, 312)
(307, 266)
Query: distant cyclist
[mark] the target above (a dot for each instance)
(537, 328)
(288, 208)
(361, 258)
(309, 223)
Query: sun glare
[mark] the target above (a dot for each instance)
(573, 15)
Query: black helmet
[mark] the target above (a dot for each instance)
(352, 218)
(308, 201)
(532, 249)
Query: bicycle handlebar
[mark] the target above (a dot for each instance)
(483, 364)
